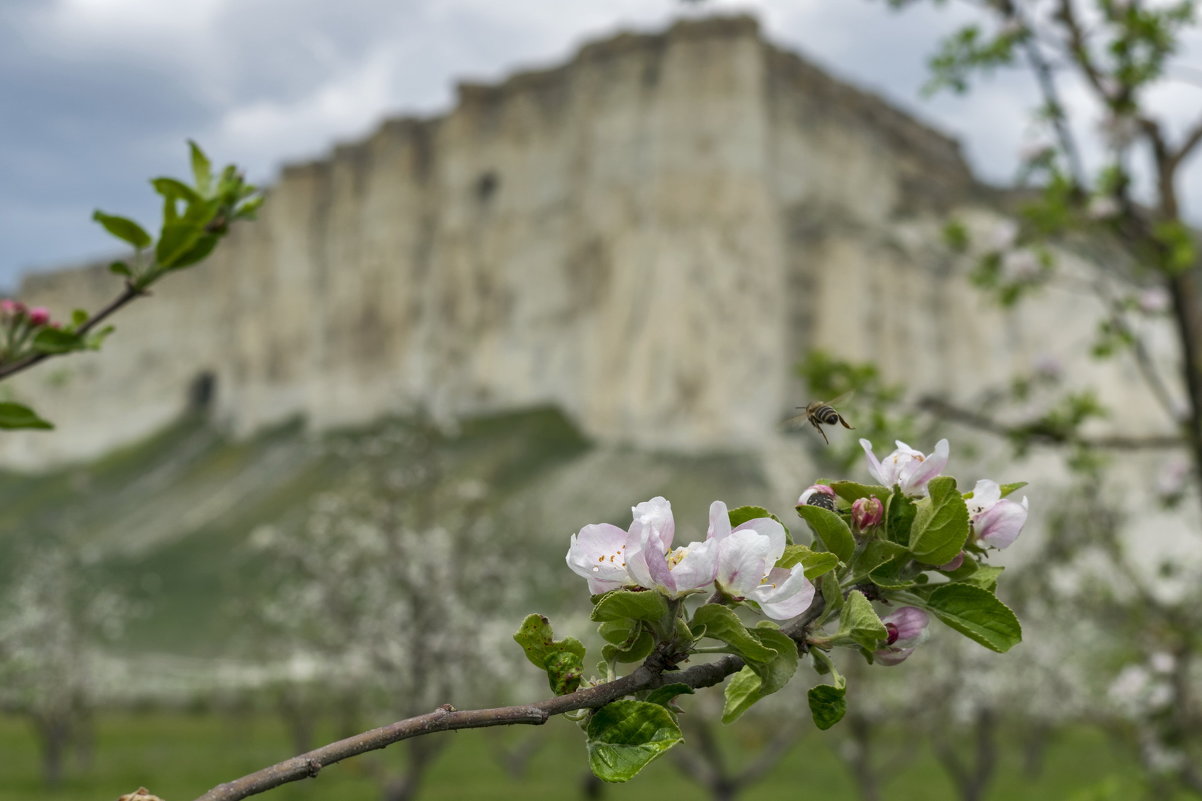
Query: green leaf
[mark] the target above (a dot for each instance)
(120, 268)
(741, 514)
(832, 593)
(850, 491)
(57, 340)
(123, 228)
(877, 553)
(977, 614)
(760, 679)
(827, 705)
(985, 577)
(250, 208)
(816, 562)
(647, 605)
(889, 577)
(198, 252)
(665, 695)
(940, 526)
(626, 735)
(202, 169)
(171, 188)
(830, 530)
(78, 318)
(860, 622)
(634, 649)
(94, 339)
(562, 659)
(178, 238)
(898, 518)
(1009, 488)
(565, 671)
(16, 415)
(722, 624)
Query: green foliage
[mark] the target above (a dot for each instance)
(16, 415)
(816, 562)
(966, 51)
(740, 515)
(625, 604)
(760, 679)
(563, 660)
(720, 623)
(977, 614)
(627, 735)
(940, 526)
(831, 530)
(860, 623)
(828, 703)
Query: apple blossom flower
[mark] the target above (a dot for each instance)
(1154, 300)
(1048, 367)
(1020, 265)
(818, 495)
(867, 512)
(996, 521)
(907, 468)
(746, 569)
(39, 315)
(906, 628)
(653, 563)
(598, 551)
(1102, 207)
(1004, 235)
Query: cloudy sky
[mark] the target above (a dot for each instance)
(98, 95)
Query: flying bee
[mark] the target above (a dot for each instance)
(821, 413)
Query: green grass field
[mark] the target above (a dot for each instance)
(180, 755)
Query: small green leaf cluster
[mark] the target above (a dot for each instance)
(916, 555)
(195, 217)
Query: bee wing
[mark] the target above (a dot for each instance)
(842, 399)
(795, 421)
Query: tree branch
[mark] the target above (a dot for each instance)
(1045, 436)
(447, 718)
(127, 294)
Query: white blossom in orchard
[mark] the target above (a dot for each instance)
(905, 628)
(907, 468)
(653, 563)
(747, 556)
(598, 551)
(996, 521)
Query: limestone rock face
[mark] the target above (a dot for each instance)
(648, 236)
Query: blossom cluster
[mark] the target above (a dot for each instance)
(18, 325)
(740, 562)
(996, 521)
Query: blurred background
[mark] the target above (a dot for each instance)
(522, 266)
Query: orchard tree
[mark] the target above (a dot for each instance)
(1118, 192)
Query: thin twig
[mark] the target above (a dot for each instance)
(127, 294)
(984, 422)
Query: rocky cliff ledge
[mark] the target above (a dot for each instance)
(647, 236)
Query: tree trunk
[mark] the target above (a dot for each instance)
(55, 736)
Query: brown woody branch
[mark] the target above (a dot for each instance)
(446, 718)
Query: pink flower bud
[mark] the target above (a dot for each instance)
(867, 512)
(954, 564)
(12, 308)
(905, 628)
(39, 315)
